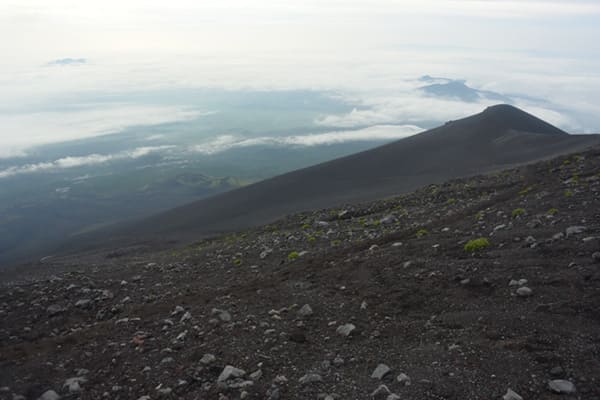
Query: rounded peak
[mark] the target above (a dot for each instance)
(502, 108)
(506, 116)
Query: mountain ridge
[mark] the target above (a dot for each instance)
(497, 138)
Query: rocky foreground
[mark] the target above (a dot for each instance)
(480, 288)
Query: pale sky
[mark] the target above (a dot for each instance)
(371, 50)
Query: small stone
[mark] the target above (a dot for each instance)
(596, 256)
(256, 375)
(230, 372)
(74, 384)
(558, 236)
(575, 230)
(49, 395)
(403, 379)
(382, 392)
(185, 317)
(178, 310)
(345, 330)
(223, 315)
(338, 361)
(83, 303)
(381, 371)
(305, 311)
(524, 291)
(393, 396)
(511, 395)
(557, 371)
(55, 309)
(310, 378)
(164, 392)
(208, 359)
(561, 386)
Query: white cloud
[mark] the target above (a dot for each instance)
(23, 130)
(372, 133)
(543, 48)
(73, 162)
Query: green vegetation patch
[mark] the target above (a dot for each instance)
(517, 212)
(476, 245)
(422, 232)
(293, 255)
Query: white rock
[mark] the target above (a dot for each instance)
(561, 386)
(49, 395)
(74, 384)
(381, 371)
(310, 378)
(403, 379)
(208, 359)
(305, 311)
(230, 372)
(345, 330)
(223, 315)
(511, 395)
(575, 230)
(524, 291)
(185, 317)
(381, 392)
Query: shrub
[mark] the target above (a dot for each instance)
(422, 232)
(237, 262)
(306, 226)
(293, 255)
(479, 216)
(517, 212)
(476, 244)
(451, 201)
(568, 193)
(311, 239)
(553, 211)
(336, 242)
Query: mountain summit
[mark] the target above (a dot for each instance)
(506, 117)
(500, 137)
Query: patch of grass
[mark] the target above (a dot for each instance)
(479, 216)
(311, 239)
(568, 193)
(476, 245)
(237, 262)
(451, 201)
(553, 211)
(566, 162)
(293, 255)
(525, 191)
(306, 226)
(517, 212)
(336, 242)
(422, 232)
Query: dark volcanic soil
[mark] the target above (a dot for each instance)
(138, 322)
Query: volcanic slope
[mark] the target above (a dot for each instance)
(357, 302)
(499, 137)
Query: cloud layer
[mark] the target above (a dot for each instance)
(73, 162)
(373, 133)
